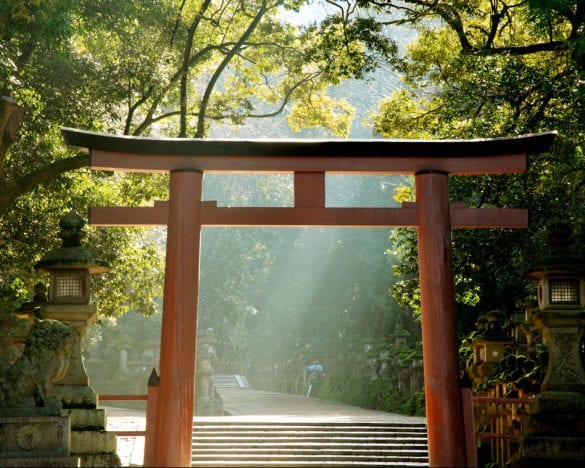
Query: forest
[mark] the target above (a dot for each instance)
(421, 69)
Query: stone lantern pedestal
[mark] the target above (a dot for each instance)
(554, 433)
(563, 332)
(74, 390)
(555, 430)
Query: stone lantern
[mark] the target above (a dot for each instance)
(554, 432)
(71, 265)
(561, 310)
(69, 268)
(206, 402)
(489, 346)
(400, 336)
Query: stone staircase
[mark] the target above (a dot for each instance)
(230, 381)
(308, 443)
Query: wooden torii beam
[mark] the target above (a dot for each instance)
(184, 214)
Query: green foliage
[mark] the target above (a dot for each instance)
(490, 69)
(152, 68)
(274, 299)
(347, 46)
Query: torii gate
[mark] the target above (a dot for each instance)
(184, 214)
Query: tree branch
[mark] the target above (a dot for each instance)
(49, 172)
(279, 110)
(11, 191)
(147, 121)
(200, 133)
(285, 99)
(185, 68)
(520, 50)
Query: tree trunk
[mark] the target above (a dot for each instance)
(11, 115)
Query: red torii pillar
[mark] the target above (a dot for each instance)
(437, 292)
(185, 214)
(179, 327)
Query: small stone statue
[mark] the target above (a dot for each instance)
(45, 360)
(39, 299)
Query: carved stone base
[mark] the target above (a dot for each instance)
(34, 437)
(86, 419)
(100, 460)
(554, 449)
(45, 462)
(555, 431)
(94, 442)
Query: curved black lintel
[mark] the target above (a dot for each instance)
(524, 144)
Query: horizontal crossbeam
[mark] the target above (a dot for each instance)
(463, 157)
(212, 216)
(464, 165)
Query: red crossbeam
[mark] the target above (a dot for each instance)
(464, 165)
(316, 217)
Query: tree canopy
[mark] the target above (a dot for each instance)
(486, 69)
(144, 67)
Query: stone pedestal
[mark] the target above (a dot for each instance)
(563, 332)
(90, 441)
(384, 360)
(94, 446)
(554, 433)
(79, 316)
(36, 440)
(206, 401)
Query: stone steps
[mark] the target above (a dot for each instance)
(311, 443)
(229, 381)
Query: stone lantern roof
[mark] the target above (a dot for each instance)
(560, 256)
(399, 331)
(71, 254)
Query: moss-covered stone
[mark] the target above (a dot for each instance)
(92, 442)
(86, 419)
(100, 460)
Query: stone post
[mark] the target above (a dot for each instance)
(123, 357)
(206, 402)
(151, 408)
